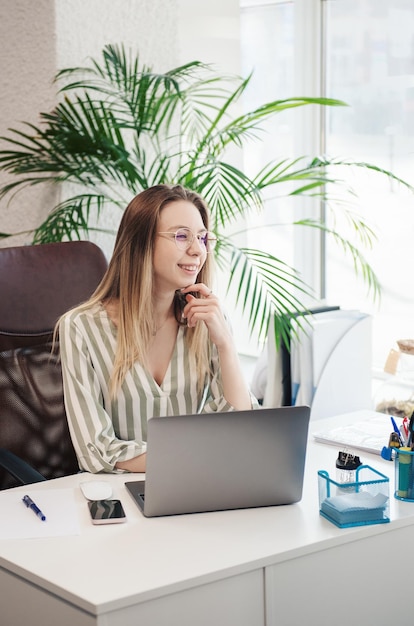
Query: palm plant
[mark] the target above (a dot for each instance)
(121, 128)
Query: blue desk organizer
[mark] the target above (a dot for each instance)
(363, 502)
(404, 474)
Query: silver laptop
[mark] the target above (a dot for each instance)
(219, 461)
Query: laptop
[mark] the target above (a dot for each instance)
(220, 461)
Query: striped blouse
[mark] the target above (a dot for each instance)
(105, 430)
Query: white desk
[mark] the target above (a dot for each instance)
(275, 566)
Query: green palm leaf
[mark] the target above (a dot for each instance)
(71, 219)
(266, 285)
(120, 127)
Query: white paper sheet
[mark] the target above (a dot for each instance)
(19, 522)
(369, 435)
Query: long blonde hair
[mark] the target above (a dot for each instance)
(129, 279)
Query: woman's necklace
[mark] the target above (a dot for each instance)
(157, 329)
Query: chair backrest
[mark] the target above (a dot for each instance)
(37, 285)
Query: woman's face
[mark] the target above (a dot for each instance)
(177, 267)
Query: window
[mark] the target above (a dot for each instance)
(369, 60)
(360, 51)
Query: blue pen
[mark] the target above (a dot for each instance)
(397, 430)
(410, 431)
(31, 505)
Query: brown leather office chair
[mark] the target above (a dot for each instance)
(38, 284)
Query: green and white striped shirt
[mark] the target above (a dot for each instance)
(106, 430)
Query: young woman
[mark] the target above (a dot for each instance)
(152, 340)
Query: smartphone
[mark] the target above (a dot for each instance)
(180, 302)
(106, 512)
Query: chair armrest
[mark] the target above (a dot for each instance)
(18, 468)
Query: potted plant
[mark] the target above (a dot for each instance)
(120, 128)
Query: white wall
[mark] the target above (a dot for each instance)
(209, 31)
(27, 66)
(84, 27)
(38, 38)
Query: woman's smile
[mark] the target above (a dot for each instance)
(190, 269)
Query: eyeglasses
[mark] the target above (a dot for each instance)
(184, 238)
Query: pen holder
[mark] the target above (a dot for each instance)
(404, 474)
(365, 501)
